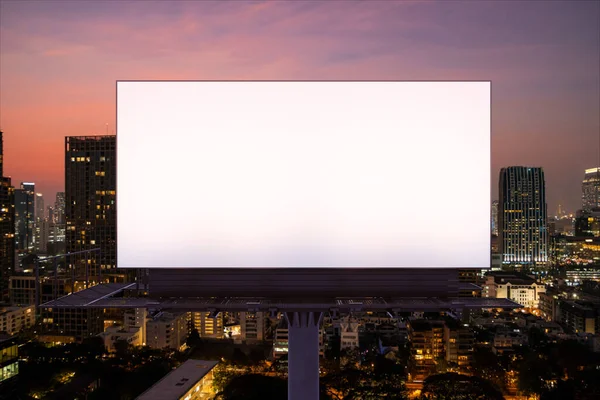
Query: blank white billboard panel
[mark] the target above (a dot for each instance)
(303, 174)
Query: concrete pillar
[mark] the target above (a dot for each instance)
(303, 355)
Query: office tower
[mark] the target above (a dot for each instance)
(495, 217)
(41, 235)
(39, 207)
(51, 214)
(90, 196)
(522, 216)
(7, 227)
(24, 216)
(587, 223)
(590, 189)
(59, 208)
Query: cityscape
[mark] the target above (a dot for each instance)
(74, 326)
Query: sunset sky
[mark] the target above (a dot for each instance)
(59, 61)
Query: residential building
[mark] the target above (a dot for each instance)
(522, 216)
(14, 319)
(207, 324)
(25, 217)
(136, 319)
(459, 341)
(90, 198)
(506, 340)
(427, 345)
(253, 326)
(7, 227)
(579, 316)
(167, 330)
(548, 305)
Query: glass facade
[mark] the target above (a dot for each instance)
(522, 216)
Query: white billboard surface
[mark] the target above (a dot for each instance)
(303, 174)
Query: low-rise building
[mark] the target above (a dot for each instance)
(192, 380)
(579, 316)
(167, 330)
(548, 305)
(281, 340)
(133, 336)
(516, 287)
(9, 360)
(505, 338)
(349, 335)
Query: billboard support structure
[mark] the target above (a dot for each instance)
(303, 354)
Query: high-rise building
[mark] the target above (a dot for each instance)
(495, 217)
(41, 235)
(51, 215)
(59, 208)
(587, 223)
(39, 207)
(522, 216)
(90, 197)
(25, 216)
(7, 227)
(590, 189)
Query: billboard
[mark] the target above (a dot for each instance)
(297, 174)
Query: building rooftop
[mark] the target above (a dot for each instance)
(5, 310)
(178, 382)
(512, 278)
(89, 296)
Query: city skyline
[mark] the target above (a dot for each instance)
(542, 59)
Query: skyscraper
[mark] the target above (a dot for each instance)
(495, 217)
(39, 207)
(590, 189)
(59, 208)
(7, 227)
(24, 216)
(522, 216)
(90, 196)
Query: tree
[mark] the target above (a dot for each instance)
(121, 349)
(452, 386)
(193, 339)
(239, 357)
(255, 387)
(355, 384)
(533, 373)
(486, 365)
(223, 373)
(537, 337)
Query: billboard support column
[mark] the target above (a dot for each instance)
(303, 354)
